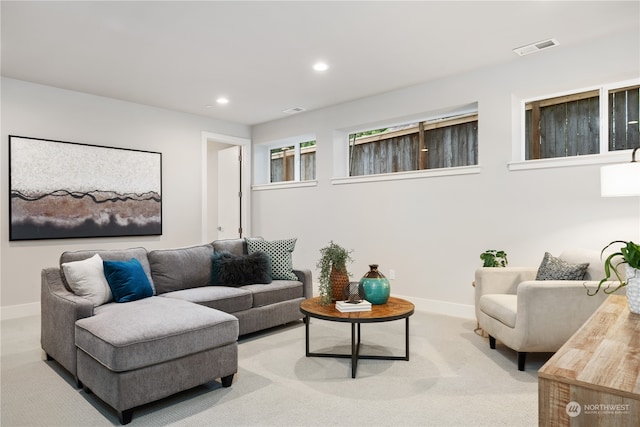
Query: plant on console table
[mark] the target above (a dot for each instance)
(629, 256)
(494, 258)
(333, 272)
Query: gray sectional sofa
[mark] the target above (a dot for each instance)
(184, 334)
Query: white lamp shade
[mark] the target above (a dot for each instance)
(620, 180)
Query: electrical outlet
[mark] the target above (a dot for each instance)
(392, 274)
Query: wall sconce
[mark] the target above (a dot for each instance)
(622, 179)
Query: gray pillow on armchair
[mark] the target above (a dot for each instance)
(552, 268)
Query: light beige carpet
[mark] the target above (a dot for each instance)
(452, 379)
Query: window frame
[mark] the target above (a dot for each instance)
(341, 146)
(520, 162)
(296, 161)
(262, 163)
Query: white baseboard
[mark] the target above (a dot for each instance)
(452, 309)
(20, 310)
(463, 311)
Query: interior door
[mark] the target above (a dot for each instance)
(229, 192)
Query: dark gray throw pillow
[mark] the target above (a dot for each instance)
(553, 268)
(238, 270)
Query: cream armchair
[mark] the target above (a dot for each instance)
(529, 315)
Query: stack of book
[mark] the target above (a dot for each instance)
(346, 307)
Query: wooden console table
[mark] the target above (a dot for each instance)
(594, 379)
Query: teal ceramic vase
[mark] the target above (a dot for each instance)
(374, 287)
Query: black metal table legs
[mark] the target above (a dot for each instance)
(355, 347)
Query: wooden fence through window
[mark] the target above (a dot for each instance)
(624, 115)
(282, 165)
(565, 126)
(426, 145)
(570, 125)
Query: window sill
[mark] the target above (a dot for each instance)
(286, 184)
(560, 162)
(430, 173)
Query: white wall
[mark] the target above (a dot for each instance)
(45, 112)
(432, 230)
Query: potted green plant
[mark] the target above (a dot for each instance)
(629, 256)
(493, 258)
(333, 271)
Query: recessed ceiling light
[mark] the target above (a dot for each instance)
(222, 100)
(320, 66)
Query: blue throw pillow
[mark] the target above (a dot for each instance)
(216, 266)
(127, 280)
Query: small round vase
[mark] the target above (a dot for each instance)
(374, 287)
(339, 279)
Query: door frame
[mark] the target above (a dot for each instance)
(245, 205)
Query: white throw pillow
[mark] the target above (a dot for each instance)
(86, 278)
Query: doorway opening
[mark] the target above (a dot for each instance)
(226, 185)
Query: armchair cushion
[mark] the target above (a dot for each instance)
(553, 268)
(502, 307)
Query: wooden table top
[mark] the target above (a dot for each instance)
(394, 309)
(604, 354)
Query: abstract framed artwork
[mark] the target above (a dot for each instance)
(62, 190)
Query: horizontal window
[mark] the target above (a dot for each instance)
(573, 125)
(295, 162)
(624, 106)
(441, 143)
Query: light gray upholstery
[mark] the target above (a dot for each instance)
(59, 311)
(233, 246)
(225, 298)
(275, 314)
(182, 268)
(186, 334)
(126, 390)
(528, 315)
(276, 291)
(133, 335)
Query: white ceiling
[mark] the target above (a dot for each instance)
(183, 55)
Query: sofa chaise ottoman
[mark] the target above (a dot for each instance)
(181, 333)
(127, 358)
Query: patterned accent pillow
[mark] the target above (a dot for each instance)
(553, 268)
(280, 252)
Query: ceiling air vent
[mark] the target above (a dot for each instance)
(293, 110)
(535, 47)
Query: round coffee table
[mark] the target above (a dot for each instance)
(394, 309)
